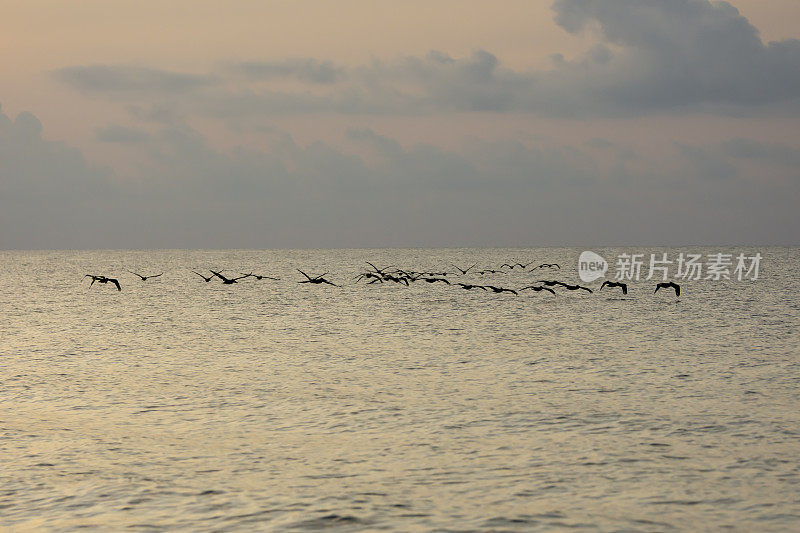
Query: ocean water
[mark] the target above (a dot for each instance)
(176, 404)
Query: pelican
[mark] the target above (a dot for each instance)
(464, 272)
(434, 280)
(669, 285)
(102, 279)
(206, 279)
(378, 270)
(260, 277)
(145, 278)
(228, 281)
(576, 287)
(621, 285)
(315, 280)
(550, 283)
(375, 277)
(538, 288)
(550, 265)
(469, 287)
(500, 289)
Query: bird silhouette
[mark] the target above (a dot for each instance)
(551, 283)
(500, 289)
(576, 287)
(315, 280)
(669, 285)
(538, 288)
(260, 277)
(145, 278)
(621, 285)
(206, 279)
(103, 279)
(469, 287)
(434, 280)
(228, 281)
(464, 272)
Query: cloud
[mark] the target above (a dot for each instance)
(653, 56)
(375, 191)
(114, 133)
(49, 193)
(123, 80)
(679, 54)
(707, 163)
(304, 69)
(775, 153)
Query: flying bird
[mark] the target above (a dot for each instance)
(145, 278)
(551, 283)
(621, 285)
(434, 280)
(669, 285)
(228, 281)
(500, 289)
(260, 277)
(538, 288)
(315, 280)
(550, 265)
(103, 279)
(576, 287)
(464, 272)
(469, 287)
(206, 279)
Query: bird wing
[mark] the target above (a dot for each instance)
(115, 282)
(604, 284)
(303, 273)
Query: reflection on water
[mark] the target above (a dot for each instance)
(274, 405)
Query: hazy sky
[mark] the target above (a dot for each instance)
(260, 124)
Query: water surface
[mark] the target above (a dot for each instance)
(177, 404)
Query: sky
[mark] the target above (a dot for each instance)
(319, 124)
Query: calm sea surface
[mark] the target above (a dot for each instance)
(177, 404)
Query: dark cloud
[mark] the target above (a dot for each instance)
(50, 196)
(131, 80)
(375, 191)
(677, 54)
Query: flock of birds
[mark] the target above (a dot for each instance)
(391, 274)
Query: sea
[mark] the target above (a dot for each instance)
(177, 404)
